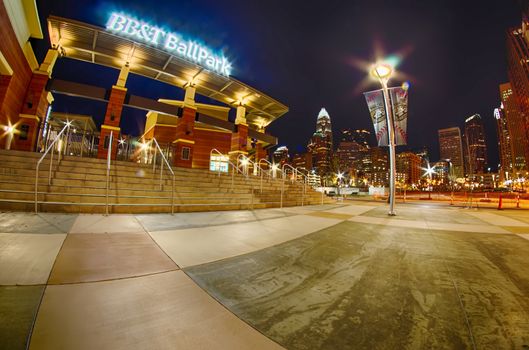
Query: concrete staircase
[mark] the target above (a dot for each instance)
(79, 185)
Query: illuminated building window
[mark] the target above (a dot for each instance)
(218, 163)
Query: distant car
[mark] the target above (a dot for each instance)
(331, 193)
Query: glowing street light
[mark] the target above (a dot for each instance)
(383, 72)
(275, 167)
(10, 131)
(429, 171)
(340, 177)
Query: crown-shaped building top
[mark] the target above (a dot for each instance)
(323, 113)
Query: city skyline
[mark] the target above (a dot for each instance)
(439, 97)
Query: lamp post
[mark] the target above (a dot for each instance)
(383, 71)
(451, 179)
(429, 171)
(339, 176)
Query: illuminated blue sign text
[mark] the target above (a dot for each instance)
(168, 41)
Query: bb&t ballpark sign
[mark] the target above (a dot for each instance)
(168, 41)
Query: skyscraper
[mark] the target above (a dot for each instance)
(505, 148)
(516, 125)
(351, 151)
(409, 165)
(451, 148)
(518, 70)
(476, 147)
(379, 166)
(281, 155)
(320, 145)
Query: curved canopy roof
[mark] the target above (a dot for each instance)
(86, 42)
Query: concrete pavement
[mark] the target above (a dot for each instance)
(342, 276)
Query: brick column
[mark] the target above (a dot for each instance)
(111, 123)
(185, 138)
(34, 106)
(260, 152)
(239, 138)
(33, 111)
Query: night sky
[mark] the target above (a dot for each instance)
(301, 53)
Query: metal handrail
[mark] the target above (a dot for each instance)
(109, 153)
(270, 166)
(295, 173)
(161, 173)
(248, 163)
(283, 173)
(40, 161)
(234, 168)
(304, 183)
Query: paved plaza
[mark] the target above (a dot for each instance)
(343, 276)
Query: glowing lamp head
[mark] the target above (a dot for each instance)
(10, 129)
(121, 141)
(340, 176)
(144, 146)
(274, 167)
(381, 70)
(68, 123)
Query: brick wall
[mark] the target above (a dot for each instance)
(15, 89)
(205, 140)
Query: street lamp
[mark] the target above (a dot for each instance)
(429, 171)
(339, 176)
(10, 131)
(275, 167)
(451, 179)
(383, 71)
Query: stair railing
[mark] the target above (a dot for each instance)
(234, 168)
(244, 162)
(109, 156)
(262, 171)
(283, 176)
(304, 181)
(161, 173)
(51, 146)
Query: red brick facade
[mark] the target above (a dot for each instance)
(185, 139)
(260, 152)
(12, 89)
(33, 112)
(112, 120)
(205, 140)
(239, 139)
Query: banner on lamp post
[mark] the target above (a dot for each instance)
(399, 104)
(375, 103)
(377, 110)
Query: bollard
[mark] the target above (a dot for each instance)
(518, 201)
(499, 203)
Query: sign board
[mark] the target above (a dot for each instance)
(377, 110)
(169, 41)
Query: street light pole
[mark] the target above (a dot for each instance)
(383, 73)
(451, 179)
(392, 158)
